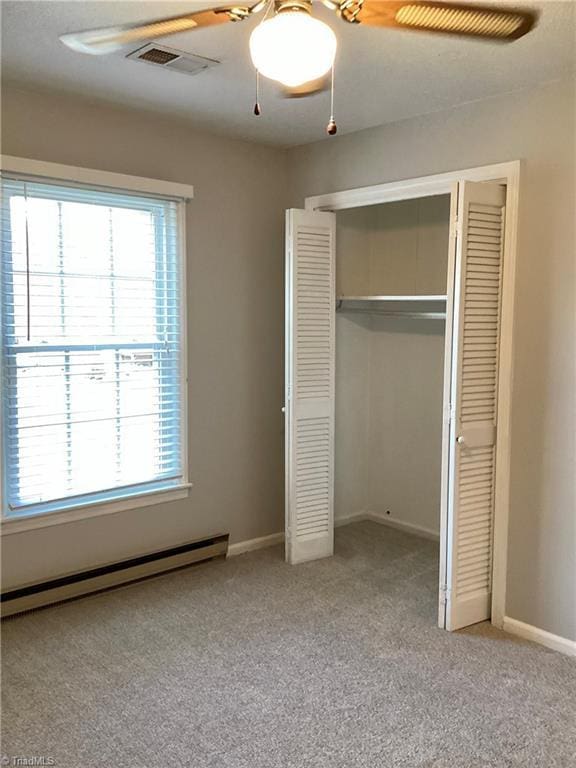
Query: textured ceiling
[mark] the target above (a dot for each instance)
(381, 75)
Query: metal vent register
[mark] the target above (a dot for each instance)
(170, 58)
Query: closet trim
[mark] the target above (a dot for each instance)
(439, 184)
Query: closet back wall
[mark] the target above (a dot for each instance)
(235, 229)
(389, 372)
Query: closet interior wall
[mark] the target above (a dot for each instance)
(389, 371)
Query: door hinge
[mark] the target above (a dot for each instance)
(444, 594)
(456, 227)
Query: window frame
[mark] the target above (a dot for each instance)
(114, 182)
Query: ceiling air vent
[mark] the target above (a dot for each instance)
(169, 58)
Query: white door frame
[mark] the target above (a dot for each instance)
(440, 184)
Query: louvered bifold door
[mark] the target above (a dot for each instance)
(477, 298)
(310, 322)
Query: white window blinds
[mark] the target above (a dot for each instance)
(92, 392)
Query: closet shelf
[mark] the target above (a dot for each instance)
(417, 307)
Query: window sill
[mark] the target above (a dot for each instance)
(85, 511)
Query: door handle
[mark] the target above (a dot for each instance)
(460, 439)
(283, 409)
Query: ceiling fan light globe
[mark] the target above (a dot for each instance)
(293, 48)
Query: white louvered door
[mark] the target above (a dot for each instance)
(309, 409)
(474, 386)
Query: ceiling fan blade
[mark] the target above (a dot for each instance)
(111, 39)
(306, 89)
(480, 21)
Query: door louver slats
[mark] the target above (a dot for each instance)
(480, 247)
(479, 404)
(312, 476)
(310, 385)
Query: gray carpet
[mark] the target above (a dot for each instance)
(251, 663)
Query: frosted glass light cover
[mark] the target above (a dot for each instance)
(293, 48)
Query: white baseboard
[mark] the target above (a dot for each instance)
(355, 517)
(537, 635)
(375, 517)
(276, 538)
(417, 530)
(251, 544)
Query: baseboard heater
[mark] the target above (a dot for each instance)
(115, 574)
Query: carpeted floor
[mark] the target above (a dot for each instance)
(251, 663)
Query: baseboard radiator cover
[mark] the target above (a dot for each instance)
(115, 574)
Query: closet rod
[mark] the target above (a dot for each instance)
(414, 315)
(400, 315)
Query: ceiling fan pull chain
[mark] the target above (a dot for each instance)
(257, 110)
(332, 128)
(270, 6)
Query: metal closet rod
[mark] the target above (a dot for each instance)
(391, 313)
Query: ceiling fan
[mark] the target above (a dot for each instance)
(297, 50)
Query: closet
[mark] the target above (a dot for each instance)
(391, 283)
(392, 359)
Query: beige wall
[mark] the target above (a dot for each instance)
(389, 372)
(388, 445)
(235, 307)
(405, 423)
(352, 415)
(393, 249)
(538, 127)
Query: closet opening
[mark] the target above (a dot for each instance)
(390, 323)
(399, 317)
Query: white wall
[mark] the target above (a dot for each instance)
(537, 126)
(389, 372)
(235, 309)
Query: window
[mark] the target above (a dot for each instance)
(92, 395)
